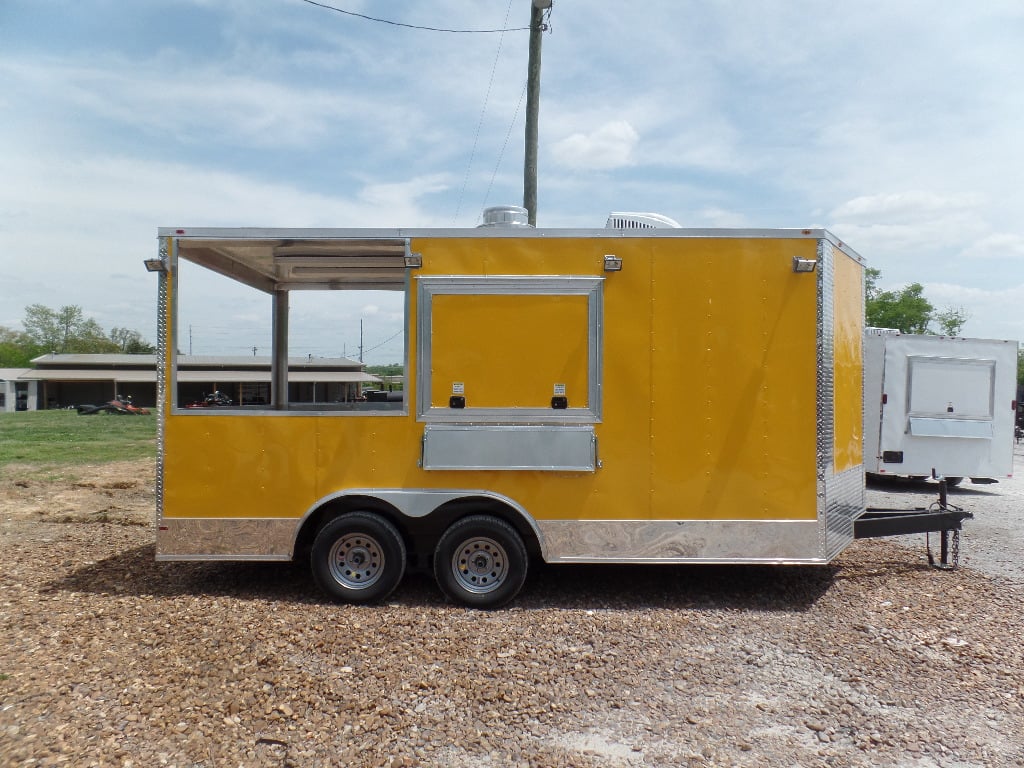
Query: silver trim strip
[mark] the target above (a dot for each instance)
(226, 538)
(825, 395)
(162, 330)
(561, 541)
(682, 541)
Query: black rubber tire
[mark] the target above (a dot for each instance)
(481, 562)
(952, 482)
(358, 557)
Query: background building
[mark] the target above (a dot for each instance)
(66, 381)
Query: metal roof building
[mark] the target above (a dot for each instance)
(64, 381)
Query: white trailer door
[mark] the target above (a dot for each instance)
(943, 407)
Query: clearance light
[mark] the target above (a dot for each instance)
(612, 263)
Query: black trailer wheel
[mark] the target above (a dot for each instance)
(481, 562)
(952, 482)
(358, 558)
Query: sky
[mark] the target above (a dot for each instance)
(896, 126)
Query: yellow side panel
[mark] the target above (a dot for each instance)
(848, 297)
(239, 466)
(509, 351)
(509, 256)
(734, 357)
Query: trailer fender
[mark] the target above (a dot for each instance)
(414, 504)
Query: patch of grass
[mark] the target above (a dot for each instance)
(52, 439)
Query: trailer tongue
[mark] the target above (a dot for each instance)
(941, 517)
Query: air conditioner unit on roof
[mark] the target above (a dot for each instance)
(625, 220)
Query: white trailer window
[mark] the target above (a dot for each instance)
(950, 387)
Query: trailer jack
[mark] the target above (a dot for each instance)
(941, 517)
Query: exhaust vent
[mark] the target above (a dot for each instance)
(623, 220)
(506, 216)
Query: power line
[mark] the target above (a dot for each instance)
(501, 154)
(390, 338)
(483, 111)
(414, 26)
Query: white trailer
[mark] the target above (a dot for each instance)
(939, 406)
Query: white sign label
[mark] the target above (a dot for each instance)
(559, 390)
(458, 388)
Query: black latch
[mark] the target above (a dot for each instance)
(457, 401)
(892, 457)
(559, 402)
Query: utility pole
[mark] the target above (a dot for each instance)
(537, 8)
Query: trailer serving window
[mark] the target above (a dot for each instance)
(509, 349)
(279, 300)
(930, 380)
(932, 408)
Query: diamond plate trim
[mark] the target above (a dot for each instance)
(161, 371)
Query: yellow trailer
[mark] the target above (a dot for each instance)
(631, 394)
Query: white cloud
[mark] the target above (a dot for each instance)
(718, 217)
(913, 227)
(607, 147)
(995, 311)
(997, 246)
(914, 206)
(179, 101)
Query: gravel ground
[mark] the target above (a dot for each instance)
(993, 542)
(111, 659)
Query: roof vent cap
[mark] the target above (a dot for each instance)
(628, 220)
(506, 216)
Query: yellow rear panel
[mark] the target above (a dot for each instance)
(849, 363)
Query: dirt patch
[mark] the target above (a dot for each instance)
(121, 492)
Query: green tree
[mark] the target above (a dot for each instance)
(951, 320)
(65, 331)
(871, 278)
(130, 342)
(906, 309)
(16, 349)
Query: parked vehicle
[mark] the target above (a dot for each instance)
(119, 406)
(213, 400)
(939, 406)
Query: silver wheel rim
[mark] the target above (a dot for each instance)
(480, 565)
(356, 561)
